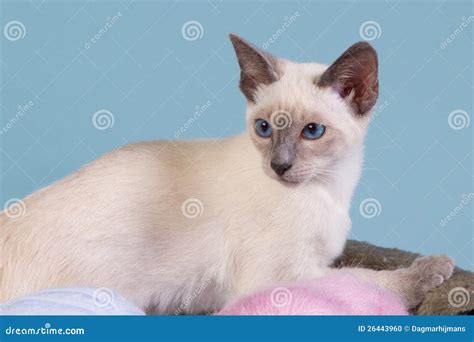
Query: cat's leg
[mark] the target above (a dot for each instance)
(413, 282)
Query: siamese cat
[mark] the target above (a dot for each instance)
(157, 220)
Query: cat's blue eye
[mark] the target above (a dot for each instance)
(263, 128)
(313, 131)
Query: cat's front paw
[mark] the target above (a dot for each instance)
(424, 274)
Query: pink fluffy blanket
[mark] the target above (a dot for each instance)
(339, 293)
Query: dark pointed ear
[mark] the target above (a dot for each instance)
(354, 75)
(257, 67)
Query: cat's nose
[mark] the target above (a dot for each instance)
(280, 169)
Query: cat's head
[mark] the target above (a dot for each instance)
(306, 118)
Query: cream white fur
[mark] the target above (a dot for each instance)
(118, 221)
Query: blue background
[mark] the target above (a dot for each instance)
(151, 79)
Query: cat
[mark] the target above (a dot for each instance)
(185, 227)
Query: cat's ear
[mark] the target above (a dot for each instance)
(257, 67)
(354, 75)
